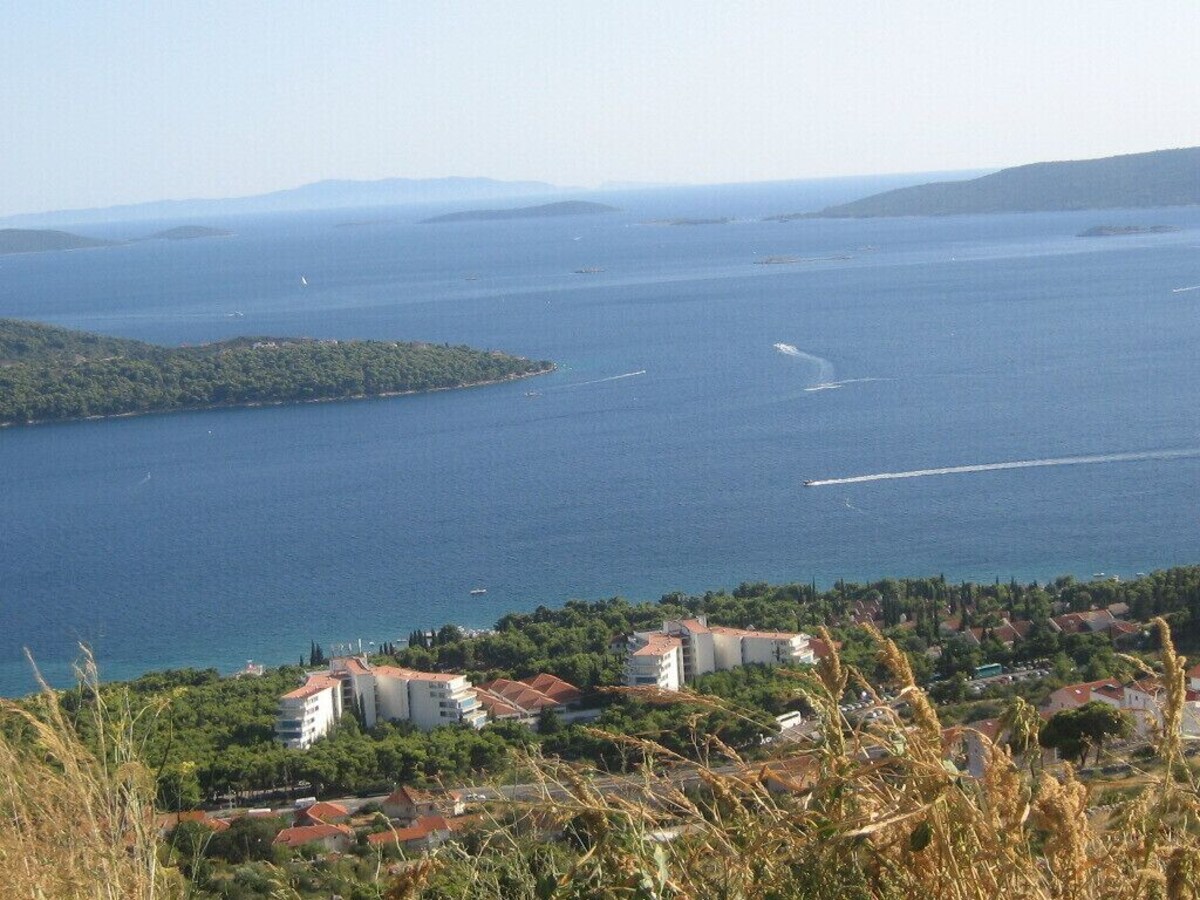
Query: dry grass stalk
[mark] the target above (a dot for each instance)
(77, 824)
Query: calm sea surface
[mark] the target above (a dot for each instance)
(669, 451)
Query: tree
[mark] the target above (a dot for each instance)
(1074, 732)
(245, 839)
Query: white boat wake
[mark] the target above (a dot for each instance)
(824, 366)
(1184, 290)
(834, 385)
(609, 378)
(1016, 464)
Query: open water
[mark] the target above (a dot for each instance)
(979, 396)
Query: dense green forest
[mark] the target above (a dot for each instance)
(208, 736)
(49, 373)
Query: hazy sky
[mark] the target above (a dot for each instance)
(122, 102)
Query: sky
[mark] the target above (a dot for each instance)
(103, 104)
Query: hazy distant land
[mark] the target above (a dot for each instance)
(22, 240)
(1121, 230)
(1139, 180)
(188, 233)
(331, 194)
(544, 211)
(50, 374)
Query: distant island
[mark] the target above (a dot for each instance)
(53, 374)
(723, 221)
(1119, 230)
(544, 211)
(188, 233)
(1136, 181)
(26, 240)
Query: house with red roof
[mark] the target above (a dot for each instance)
(425, 833)
(332, 838)
(323, 813)
(408, 804)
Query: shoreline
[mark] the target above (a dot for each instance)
(251, 404)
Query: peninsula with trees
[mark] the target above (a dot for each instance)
(53, 374)
(35, 240)
(1135, 181)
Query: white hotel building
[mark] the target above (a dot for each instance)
(381, 694)
(686, 648)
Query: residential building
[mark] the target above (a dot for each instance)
(425, 833)
(408, 804)
(655, 660)
(308, 712)
(324, 813)
(332, 838)
(685, 649)
(376, 694)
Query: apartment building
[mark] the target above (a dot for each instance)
(687, 648)
(309, 711)
(378, 694)
(655, 660)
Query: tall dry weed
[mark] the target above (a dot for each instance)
(77, 823)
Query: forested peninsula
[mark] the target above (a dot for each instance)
(31, 240)
(52, 374)
(1136, 181)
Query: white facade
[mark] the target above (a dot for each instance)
(713, 649)
(655, 661)
(438, 699)
(381, 694)
(308, 712)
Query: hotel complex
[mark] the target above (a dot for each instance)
(687, 648)
(379, 694)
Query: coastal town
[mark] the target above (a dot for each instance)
(678, 659)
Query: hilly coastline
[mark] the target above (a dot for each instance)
(53, 374)
(544, 211)
(1136, 181)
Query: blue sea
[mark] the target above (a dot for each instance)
(668, 452)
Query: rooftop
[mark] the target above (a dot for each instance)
(315, 685)
(658, 645)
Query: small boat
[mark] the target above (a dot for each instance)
(810, 482)
(475, 592)
(303, 281)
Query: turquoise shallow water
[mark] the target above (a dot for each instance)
(211, 538)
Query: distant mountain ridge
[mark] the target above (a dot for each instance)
(329, 194)
(1137, 180)
(544, 211)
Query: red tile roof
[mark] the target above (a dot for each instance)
(410, 795)
(658, 645)
(315, 685)
(324, 812)
(305, 834)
